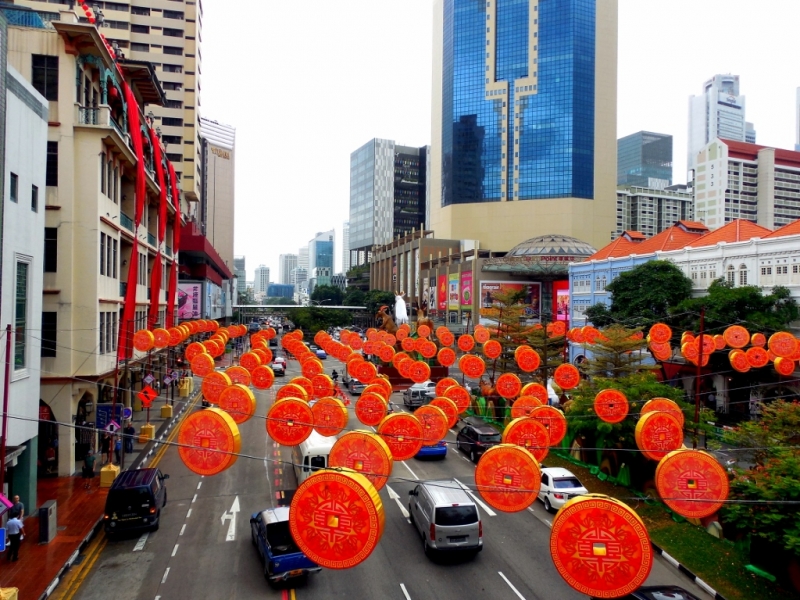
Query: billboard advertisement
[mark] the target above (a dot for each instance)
(214, 305)
(426, 293)
(441, 292)
(189, 300)
(453, 293)
(530, 295)
(432, 294)
(561, 300)
(466, 289)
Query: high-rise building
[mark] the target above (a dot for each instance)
(286, 263)
(524, 120)
(345, 247)
(387, 194)
(300, 279)
(302, 258)
(321, 252)
(797, 121)
(644, 159)
(262, 280)
(651, 211)
(719, 112)
(241, 274)
(217, 189)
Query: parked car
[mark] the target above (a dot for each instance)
(445, 516)
(558, 486)
(476, 437)
(355, 387)
(438, 450)
(270, 534)
(279, 369)
(659, 592)
(415, 398)
(135, 500)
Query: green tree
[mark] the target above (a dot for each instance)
(277, 300)
(374, 299)
(617, 353)
(643, 295)
(328, 294)
(746, 305)
(774, 477)
(313, 318)
(354, 297)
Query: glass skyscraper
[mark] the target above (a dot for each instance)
(525, 112)
(645, 159)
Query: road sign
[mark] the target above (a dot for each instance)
(149, 379)
(105, 416)
(112, 426)
(127, 413)
(147, 395)
(167, 380)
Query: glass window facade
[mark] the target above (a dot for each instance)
(645, 159)
(549, 130)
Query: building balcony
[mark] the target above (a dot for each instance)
(169, 251)
(126, 222)
(151, 239)
(123, 288)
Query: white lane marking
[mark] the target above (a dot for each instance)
(166, 574)
(488, 510)
(543, 520)
(230, 515)
(189, 514)
(511, 585)
(396, 497)
(182, 529)
(199, 483)
(142, 541)
(410, 471)
(158, 597)
(405, 592)
(175, 550)
(194, 499)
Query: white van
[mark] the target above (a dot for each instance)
(311, 455)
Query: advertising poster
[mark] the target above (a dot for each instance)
(441, 292)
(432, 294)
(561, 300)
(531, 294)
(453, 293)
(426, 293)
(466, 289)
(189, 300)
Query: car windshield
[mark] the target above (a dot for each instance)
(566, 483)
(456, 515)
(490, 437)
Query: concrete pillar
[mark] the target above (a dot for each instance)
(23, 476)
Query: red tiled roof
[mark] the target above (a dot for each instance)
(693, 225)
(750, 152)
(634, 235)
(739, 230)
(675, 237)
(619, 247)
(792, 228)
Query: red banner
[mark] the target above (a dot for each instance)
(155, 275)
(172, 285)
(441, 292)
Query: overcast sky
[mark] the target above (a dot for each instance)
(306, 83)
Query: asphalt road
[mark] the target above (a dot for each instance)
(197, 553)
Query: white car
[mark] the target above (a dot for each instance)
(558, 486)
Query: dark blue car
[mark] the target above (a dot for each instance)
(270, 534)
(438, 450)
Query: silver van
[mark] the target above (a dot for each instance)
(445, 516)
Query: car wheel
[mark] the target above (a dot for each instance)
(425, 548)
(411, 516)
(458, 444)
(158, 522)
(472, 455)
(547, 506)
(165, 498)
(253, 538)
(266, 570)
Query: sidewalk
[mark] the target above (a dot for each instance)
(79, 512)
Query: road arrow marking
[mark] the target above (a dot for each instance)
(394, 496)
(488, 510)
(230, 515)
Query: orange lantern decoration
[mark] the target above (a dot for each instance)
(386, 353)
(364, 452)
(209, 441)
(249, 360)
(472, 366)
(202, 365)
(353, 363)
(481, 334)
(404, 367)
(447, 338)
(239, 375)
(692, 483)
(292, 390)
(567, 376)
(508, 385)
(657, 434)
(212, 347)
(757, 357)
(784, 366)
(380, 382)
(443, 384)
(402, 433)
(529, 433)
(661, 352)
(434, 424)
(264, 357)
(262, 377)
(428, 349)
(589, 334)
(238, 401)
(213, 384)
(336, 518)
(423, 331)
(611, 406)
(796, 356)
(322, 385)
(466, 342)
(508, 477)
(492, 349)
(528, 360)
(143, 340)
(161, 338)
(175, 336)
(783, 344)
(553, 420)
(446, 357)
(663, 405)
(330, 416)
(306, 384)
(758, 340)
(398, 357)
(523, 406)
(370, 408)
(193, 350)
(290, 421)
(420, 371)
(460, 396)
(719, 342)
(408, 344)
(449, 407)
(600, 546)
(311, 367)
(660, 333)
(536, 390)
(366, 371)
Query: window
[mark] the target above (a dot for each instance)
(782, 270)
(34, 198)
(140, 47)
(49, 334)
(113, 331)
(173, 104)
(173, 32)
(171, 139)
(795, 269)
(14, 191)
(171, 85)
(109, 254)
(173, 69)
(173, 50)
(140, 29)
(102, 174)
(109, 337)
(138, 10)
(102, 254)
(114, 259)
(173, 14)
(52, 164)
(50, 249)
(171, 122)
(45, 75)
(115, 193)
(20, 314)
(109, 178)
(743, 274)
(101, 347)
(731, 275)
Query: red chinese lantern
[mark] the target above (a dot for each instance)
(508, 477)
(340, 506)
(322, 385)
(330, 416)
(290, 421)
(738, 360)
(657, 434)
(449, 407)
(719, 342)
(466, 342)
(553, 420)
(143, 340)
(306, 384)
(366, 371)
(443, 384)
(434, 424)
(758, 340)
(408, 344)
(535, 389)
(692, 483)
(567, 376)
(209, 441)
(386, 353)
(161, 337)
(370, 409)
(364, 452)
(420, 371)
(611, 406)
(292, 390)
(428, 349)
(523, 406)
(446, 357)
(530, 434)
(783, 344)
(404, 367)
(262, 377)
(600, 546)
(528, 360)
(460, 396)
(663, 405)
(239, 375)
(472, 366)
(238, 401)
(311, 367)
(213, 384)
(423, 331)
(447, 338)
(382, 382)
(202, 365)
(508, 385)
(492, 349)
(757, 357)
(249, 360)
(193, 350)
(784, 366)
(481, 334)
(589, 334)
(660, 333)
(402, 433)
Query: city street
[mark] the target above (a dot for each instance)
(203, 548)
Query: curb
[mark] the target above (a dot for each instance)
(714, 593)
(137, 463)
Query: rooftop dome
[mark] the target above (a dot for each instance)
(545, 255)
(553, 245)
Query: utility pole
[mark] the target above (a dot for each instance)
(697, 377)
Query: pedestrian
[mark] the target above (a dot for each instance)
(16, 533)
(17, 509)
(118, 448)
(335, 376)
(130, 432)
(88, 468)
(105, 448)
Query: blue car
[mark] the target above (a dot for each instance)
(321, 354)
(269, 532)
(438, 450)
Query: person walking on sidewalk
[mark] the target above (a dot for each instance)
(16, 532)
(88, 469)
(105, 448)
(130, 432)
(118, 448)
(17, 509)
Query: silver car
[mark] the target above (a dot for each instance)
(446, 517)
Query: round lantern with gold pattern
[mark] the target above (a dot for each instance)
(784, 366)
(523, 406)
(508, 477)
(402, 433)
(449, 407)
(536, 390)
(322, 384)
(446, 357)
(508, 385)
(481, 334)
(161, 337)
(660, 333)
(657, 434)
(144, 340)
(492, 349)
(420, 371)
(262, 377)
(460, 396)
(202, 364)
(290, 421)
(528, 360)
(239, 374)
(330, 416)
(364, 452)
(530, 434)
(249, 360)
(782, 343)
(238, 401)
(380, 381)
(306, 384)
(664, 405)
(611, 406)
(692, 483)
(371, 408)
(434, 424)
(567, 376)
(213, 384)
(472, 366)
(553, 420)
(209, 441)
(466, 342)
(292, 390)
(738, 360)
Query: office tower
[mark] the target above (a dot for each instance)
(217, 190)
(262, 280)
(302, 258)
(280, 290)
(321, 252)
(299, 279)
(241, 274)
(719, 112)
(523, 120)
(650, 211)
(387, 193)
(286, 263)
(644, 159)
(345, 247)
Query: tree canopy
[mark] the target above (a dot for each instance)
(328, 295)
(277, 300)
(313, 318)
(354, 297)
(618, 352)
(374, 299)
